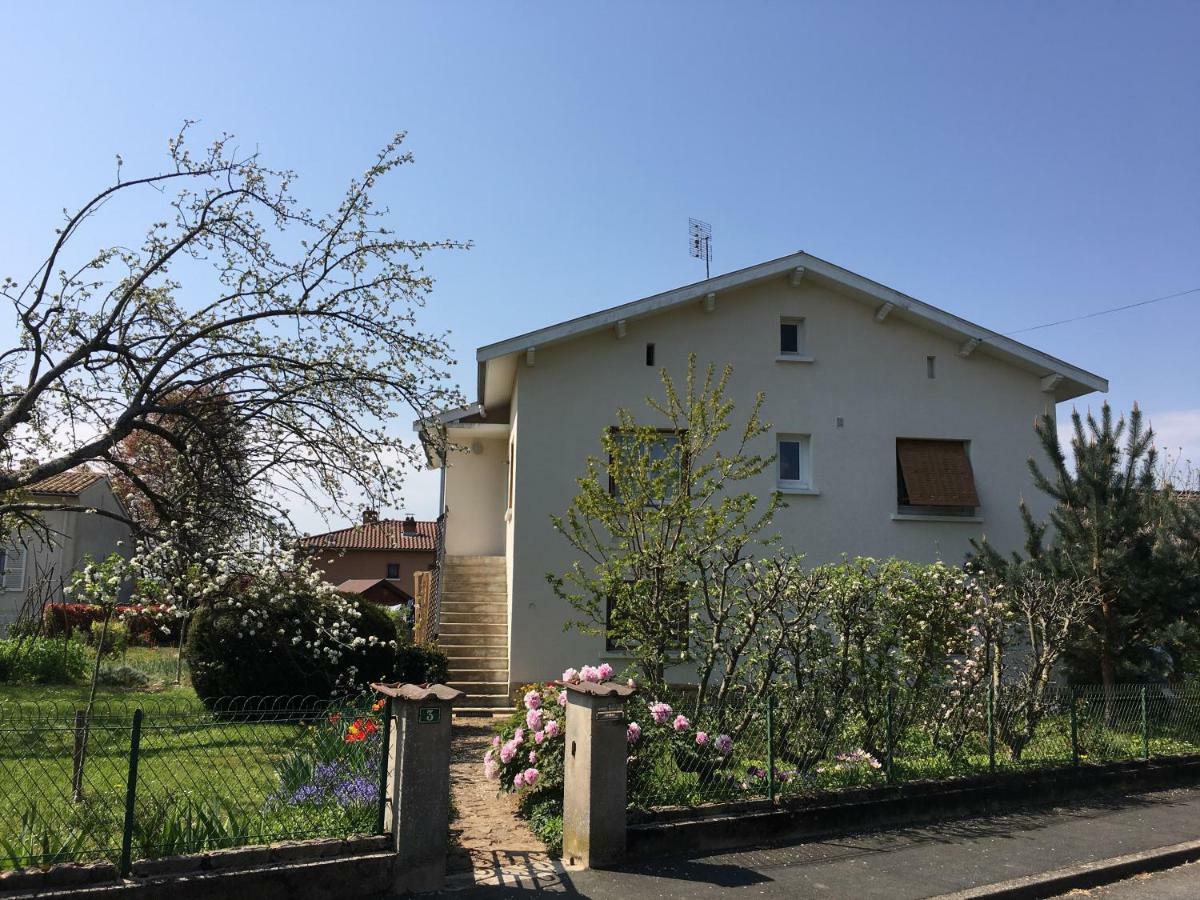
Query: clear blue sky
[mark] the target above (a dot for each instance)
(1013, 163)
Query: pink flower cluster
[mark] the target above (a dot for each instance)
(633, 732)
(660, 712)
(588, 674)
(528, 778)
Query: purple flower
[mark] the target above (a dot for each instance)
(724, 744)
(552, 729)
(533, 719)
(356, 791)
(519, 780)
(539, 737)
(590, 674)
(681, 723)
(562, 698)
(531, 777)
(532, 757)
(605, 671)
(660, 712)
(507, 752)
(533, 700)
(633, 732)
(701, 738)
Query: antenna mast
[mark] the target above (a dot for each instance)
(700, 242)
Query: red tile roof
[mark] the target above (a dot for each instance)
(70, 483)
(386, 534)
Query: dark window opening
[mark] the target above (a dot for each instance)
(649, 354)
(667, 447)
(678, 615)
(393, 570)
(930, 363)
(789, 337)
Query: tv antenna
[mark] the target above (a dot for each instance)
(700, 242)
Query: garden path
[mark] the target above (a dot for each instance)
(491, 845)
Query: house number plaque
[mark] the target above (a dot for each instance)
(610, 714)
(429, 715)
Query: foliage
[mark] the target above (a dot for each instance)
(109, 638)
(421, 664)
(661, 535)
(1110, 524)
(124, 677)
(545, 816)
(298, 326)
(64, 619)
(42, 660)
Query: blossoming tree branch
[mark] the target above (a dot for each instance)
(301, 326)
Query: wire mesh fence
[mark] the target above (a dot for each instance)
(127, 783)
(783, 743)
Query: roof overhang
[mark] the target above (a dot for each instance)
(497, 362)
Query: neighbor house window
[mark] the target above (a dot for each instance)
(678, 614)
(393, 570)
(794, 461)
(792, 337)
(12, 569)
(934, 477)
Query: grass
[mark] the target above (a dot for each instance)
(203, 780)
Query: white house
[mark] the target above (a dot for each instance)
(30, 563)
(901, 430)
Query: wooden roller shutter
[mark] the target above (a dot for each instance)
(936, 473)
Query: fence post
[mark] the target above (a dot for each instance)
(1145, 727)
(991, 724)
(771, 748)
(77, 757)
(594, 774)
(1074, 727)
(135, 743)
(384, 766)
(889, 733)
(418, 816)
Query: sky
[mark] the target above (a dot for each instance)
(1014, 163)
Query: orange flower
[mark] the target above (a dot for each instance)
(378, 705)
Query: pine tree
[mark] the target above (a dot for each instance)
(1109, 524)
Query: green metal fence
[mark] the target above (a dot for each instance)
(130, 782)
(787, 743)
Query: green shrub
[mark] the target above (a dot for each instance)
(126, 677)
(116, 637)
(24, 627)
(421, 664)
(42, 660)
(545, 815)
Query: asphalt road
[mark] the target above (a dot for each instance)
(900, 864)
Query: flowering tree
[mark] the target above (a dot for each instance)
(302, 326)
(663, 538)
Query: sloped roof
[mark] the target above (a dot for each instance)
(386, 534)
(70, 483)
(362, 585)
(1064, 380)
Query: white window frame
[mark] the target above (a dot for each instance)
(800, 354)
(803, 484)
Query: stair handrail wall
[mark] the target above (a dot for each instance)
(434, 619)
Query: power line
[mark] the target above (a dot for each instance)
(1105, 312)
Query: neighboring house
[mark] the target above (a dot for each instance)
(30, 562)
(901, 430)
(388, 549)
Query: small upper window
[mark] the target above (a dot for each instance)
(649, 354)
(791, 337)
(794, 461)
(934, 477)
(393, 570)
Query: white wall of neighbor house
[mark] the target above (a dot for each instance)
(872, 376)
(475, 497)
(47, 565)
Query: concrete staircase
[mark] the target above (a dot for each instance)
(474, 631)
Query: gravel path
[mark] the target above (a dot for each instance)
(493, 846)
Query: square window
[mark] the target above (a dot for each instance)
(393, 570)
(935, 477)
(794, 452)
(791, 337)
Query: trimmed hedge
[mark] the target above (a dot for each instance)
(227, 659)
(144, 621)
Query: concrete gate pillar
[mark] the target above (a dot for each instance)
(594, 774)
(417, 813)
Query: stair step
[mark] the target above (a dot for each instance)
(475, 689)
(482, 675)
(486, 598)
(475, 562)
(492, 641)
(454, 627)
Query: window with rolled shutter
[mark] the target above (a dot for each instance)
(12, 563)
(935, 474)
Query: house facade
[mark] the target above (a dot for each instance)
(36, 568)
(900, 430)
(391, 550)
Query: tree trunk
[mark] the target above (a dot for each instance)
(1108, 663)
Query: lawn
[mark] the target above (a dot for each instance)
(203, 780)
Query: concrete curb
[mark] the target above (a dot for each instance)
(1083, 876)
